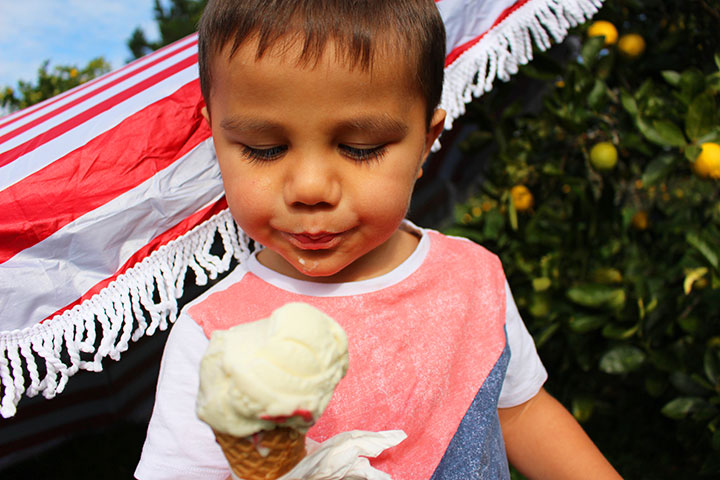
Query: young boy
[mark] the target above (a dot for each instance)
(322, 113)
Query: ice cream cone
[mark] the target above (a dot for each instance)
(266, 455)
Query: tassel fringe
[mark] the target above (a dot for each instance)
(508, 45)
(137, 303)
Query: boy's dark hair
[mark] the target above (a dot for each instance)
(412, 28)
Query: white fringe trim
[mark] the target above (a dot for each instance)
(508, 45)
(117, 311)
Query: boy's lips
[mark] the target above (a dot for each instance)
(314, 241)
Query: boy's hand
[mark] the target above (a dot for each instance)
(344, 456)
(544, 441)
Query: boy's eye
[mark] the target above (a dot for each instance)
(263, 154)
(363, 154)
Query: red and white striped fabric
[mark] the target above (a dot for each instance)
(110, 193)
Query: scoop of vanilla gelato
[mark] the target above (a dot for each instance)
(278, 370)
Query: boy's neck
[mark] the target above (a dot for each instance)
(375, 263)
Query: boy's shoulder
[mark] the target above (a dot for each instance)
(452, 248)
(235, 276)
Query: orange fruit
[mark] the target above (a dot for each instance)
(640, 220)
(603, 28)
(707, 164)
(603, 156)
(631, 45)
(522, 198)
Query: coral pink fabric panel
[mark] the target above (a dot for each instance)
(419, 350)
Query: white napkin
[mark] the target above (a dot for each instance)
(344, 457)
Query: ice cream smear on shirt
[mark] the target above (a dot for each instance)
(278, 371)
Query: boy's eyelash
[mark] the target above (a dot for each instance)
(357, 154)
(364, 154)
(263, 154)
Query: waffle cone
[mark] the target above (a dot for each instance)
(284, 446)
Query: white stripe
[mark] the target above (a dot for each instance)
(61, 268)
(466, 19)
(77, 137)
(95, 100)
(43, 108)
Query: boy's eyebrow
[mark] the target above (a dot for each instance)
(370, 123)
(241, 123)
(373, 123)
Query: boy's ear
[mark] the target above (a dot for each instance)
(206, 115)
(437, 123)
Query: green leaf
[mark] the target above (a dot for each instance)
(512, 215)
(681, 407)
(591, 49)
(670, 133)
(672, 77)
(701, 117)
(607, 275)
(712, 136)
(713, 82)
(540, 284)
(692, 275)
(539, 305)
(649, 132)
(692, 152)
(494, 224)
(617, 332)
(688, 385)
(597, 296)
(711, 364)
(545, 334)
(701, 246)
(692, 82)
(597, 94)
(585, 323)
(582, 408)
(622, 359)
(657, 170)
(628, 103)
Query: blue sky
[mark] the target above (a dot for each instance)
(67, 32)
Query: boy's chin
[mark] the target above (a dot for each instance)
(316, 269)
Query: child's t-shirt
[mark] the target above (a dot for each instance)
(435, 347)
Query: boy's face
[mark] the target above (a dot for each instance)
(319, 161)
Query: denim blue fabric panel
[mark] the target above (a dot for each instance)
(477, 450)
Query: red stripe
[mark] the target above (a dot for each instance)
(54, 132)
(108, 166)
(83, 98)
(457, 51)
(27, 111)
(164, 238)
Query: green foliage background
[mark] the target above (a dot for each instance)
(625, 313)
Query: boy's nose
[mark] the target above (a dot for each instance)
(312, 183)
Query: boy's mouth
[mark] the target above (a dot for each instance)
(314, 241)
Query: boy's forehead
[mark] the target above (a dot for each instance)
(291, 50)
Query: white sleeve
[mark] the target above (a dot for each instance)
(525, 373)
(178, 445)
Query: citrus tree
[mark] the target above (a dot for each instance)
(175, 20)
(50, 82)
(603, 202)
